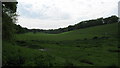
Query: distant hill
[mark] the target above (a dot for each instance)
(86, 33)
(80, 25)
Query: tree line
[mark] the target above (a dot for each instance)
(80, 25)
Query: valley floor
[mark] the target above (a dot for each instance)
(95, 46)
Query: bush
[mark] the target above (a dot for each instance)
(95, 37)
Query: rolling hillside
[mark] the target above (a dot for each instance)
(108, 29)
(87, 43)
(93, 46)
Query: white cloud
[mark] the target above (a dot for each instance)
(43, 24)
(62, 13)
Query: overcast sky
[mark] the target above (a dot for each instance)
(52, 14)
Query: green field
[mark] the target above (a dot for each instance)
(93, 46)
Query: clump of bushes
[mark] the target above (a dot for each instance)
(95, 38)
(86, 61)
(85, 38)
(103, 37)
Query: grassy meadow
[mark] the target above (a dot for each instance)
(93, 46)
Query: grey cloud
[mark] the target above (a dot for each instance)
(45, 12)
(72, 11)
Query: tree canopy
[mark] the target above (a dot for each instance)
(8, 19)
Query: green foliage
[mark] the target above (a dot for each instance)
(111, 19)
(19, 29)
(8, 20)
(11, 6)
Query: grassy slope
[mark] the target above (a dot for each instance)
(110, 29)
(76, 47)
